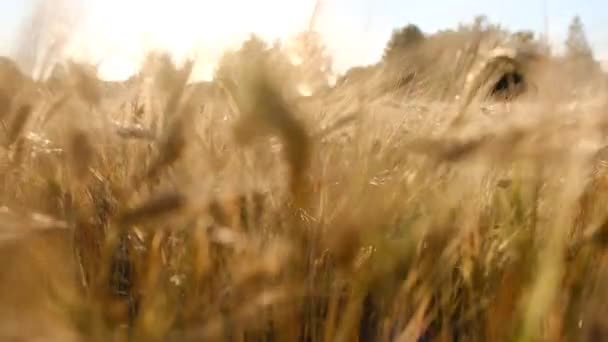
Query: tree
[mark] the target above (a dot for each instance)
(254, 46)
(480, 23)
(577, 45)
(312, 64)
(524, 36)
(403, 39)
(233, 62)
(579, 61)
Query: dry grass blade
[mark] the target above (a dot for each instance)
(18, 152)
(264, 110)
(135, 132)
(447, 150)
(5, 104)
(81, 153)
(15, 225)
(170, 150)
(18, 123)
(171, 81)
(86, 83)
(247, 315)
(55, 108)
(336, 126)
(159, 206)
(177, 112)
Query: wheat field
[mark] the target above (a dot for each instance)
(401, 204)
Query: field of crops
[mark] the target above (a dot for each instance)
(392, 206)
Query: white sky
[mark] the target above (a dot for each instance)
(117, 32)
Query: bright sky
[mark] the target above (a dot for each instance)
(118, 31)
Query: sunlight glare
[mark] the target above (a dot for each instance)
(119, 33)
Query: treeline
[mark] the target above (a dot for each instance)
(437, 64)
(414, 62)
